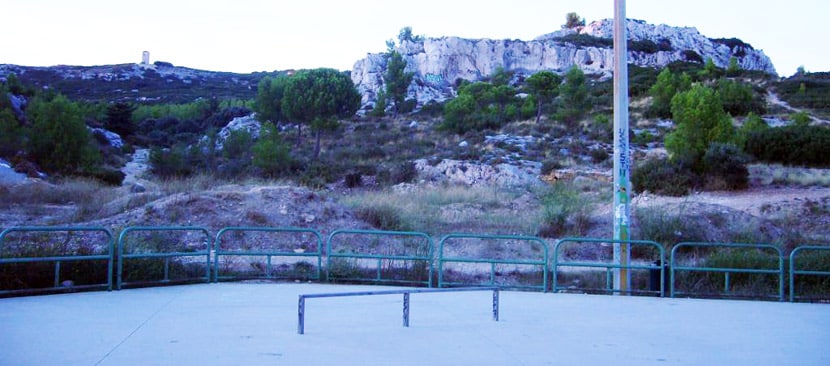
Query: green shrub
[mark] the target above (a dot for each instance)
(565, 212)
(599, 155)
(665, 177)
(383, 217)
(582, 40)
(725, 168)
(791, 145)
(168, 163)
(548, 166)
(353, 180)
(667, 228)
(270, 154)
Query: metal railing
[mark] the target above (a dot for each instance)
(418, 269)
(794, 271)
(405, 293)
(201, 249)
(339, 264)
(300, 250)
(727, 271)
(541, 262)
(609, 267)
(58, 259)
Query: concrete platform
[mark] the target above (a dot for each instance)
(256, 324)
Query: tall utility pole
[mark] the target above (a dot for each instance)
(622, 155)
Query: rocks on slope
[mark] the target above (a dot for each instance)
(438, 62)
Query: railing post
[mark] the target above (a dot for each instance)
(301, 315)
(406, 309)
(496, 304)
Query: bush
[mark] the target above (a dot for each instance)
(599, 155)
(565, 212)
(383, 217)
(725, 168)
(168, 163)
(664, 177)
(548, 166)
(692, 56)
(792, 145)
(582, 40)
(353, 180)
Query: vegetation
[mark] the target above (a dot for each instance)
(791, 145)
(397, 81)
(319, 98)
(572, 20)
(58, 140)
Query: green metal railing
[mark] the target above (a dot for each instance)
(58, 259)
(794, 271)
(298, 250)
(542, 262)
(727, 271)
(346, 271)
(608, 266)
(201, 250)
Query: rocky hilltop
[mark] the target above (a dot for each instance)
(438, 62)
(160, 82)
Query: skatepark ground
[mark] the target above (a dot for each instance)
(256, 324)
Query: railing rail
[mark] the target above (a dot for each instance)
(542, 262)
(727, 270)
(167, 256)
(61, 258)
(220, 251)
(794, 271)
(336, 255)
(657, 266)
(405, 293)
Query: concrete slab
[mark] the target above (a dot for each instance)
(256, 324)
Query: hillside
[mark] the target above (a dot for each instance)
(407, 173)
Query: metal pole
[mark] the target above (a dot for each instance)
(622, 156)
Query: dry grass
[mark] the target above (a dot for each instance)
(776, 174)
(66, 201)
(439, 210)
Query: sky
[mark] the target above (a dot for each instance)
(265, 35)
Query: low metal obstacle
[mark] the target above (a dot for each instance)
(405, 293)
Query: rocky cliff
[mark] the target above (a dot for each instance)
(438, 62)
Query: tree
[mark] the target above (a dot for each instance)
(406, 35)
(119, 118)
(380, 105)
(59, 139)
(710, 70)
(699, 121)
(397, 80)
(270, 91)
(738, 98)
(572, 20)
(752, 124)
(318, 98)
(801, 119)
(664, 89)
(574, 96)
(271, 155)
(544, 86)
(734, 69)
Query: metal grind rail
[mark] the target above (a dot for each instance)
(405, 293)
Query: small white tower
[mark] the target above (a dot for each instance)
(145, 58)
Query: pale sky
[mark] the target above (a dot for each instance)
(266, 35)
